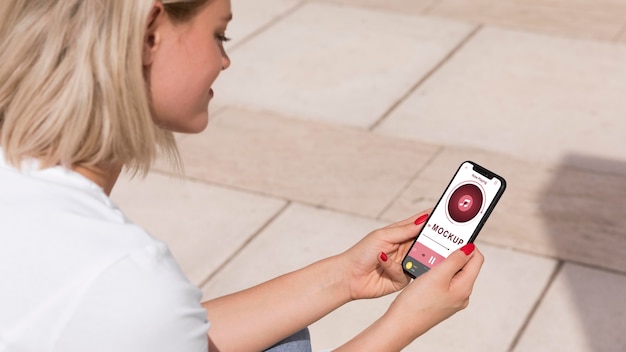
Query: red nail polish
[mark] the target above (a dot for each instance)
(383, 256)
(468, 248)
(421, 219)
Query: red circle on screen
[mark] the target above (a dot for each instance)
(465, 202)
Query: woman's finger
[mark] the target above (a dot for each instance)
(412, 219)
(402, 233)
(456, 261)
(472, 268)
(392, 269)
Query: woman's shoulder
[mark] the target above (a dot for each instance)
(71, 270)
(70, 255)
(60, 206)
(58, 226)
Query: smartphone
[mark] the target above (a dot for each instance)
(457, 218)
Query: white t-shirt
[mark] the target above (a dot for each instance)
(76, 275)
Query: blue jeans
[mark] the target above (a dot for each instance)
(298, 342)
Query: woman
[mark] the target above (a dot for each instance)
(90, 87)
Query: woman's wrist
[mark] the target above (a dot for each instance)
(338, 270)
(295, 300)
(344, 265)
(389, 333)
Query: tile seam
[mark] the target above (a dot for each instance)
(433, 5)
(408, 184)
(244, 245)
(557, 269)
(426, 77)
(620, 34)
(266, 26)
(226, 186)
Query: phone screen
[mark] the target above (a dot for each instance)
(457, 218)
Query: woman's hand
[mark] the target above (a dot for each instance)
(443, 290)
(431, 298)
(437, 294)
(373, 266)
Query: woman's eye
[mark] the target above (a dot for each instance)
(222, 37)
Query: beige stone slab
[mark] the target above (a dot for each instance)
(532, 96)
(249, 18)
(335, 63)
(330, 166)
(621, 38)
(583, 311)
(506, 277)
(405, 6)
(552, 210)
(593, 19)
(202, 224)
(298, 237)
(252, 16)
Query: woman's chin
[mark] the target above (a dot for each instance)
(190, 126)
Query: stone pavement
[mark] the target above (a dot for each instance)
(341, 116)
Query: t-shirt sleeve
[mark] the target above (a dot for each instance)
(142, 302)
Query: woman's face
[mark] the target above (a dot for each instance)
(182, 60)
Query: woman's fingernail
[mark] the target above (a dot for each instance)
(468, 248)
(383, 256)
(421, 219)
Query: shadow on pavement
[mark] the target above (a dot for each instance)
(584, 211)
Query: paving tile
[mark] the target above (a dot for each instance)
(405, 6)
(531, 96)
(298, 237)
(251, 16)
(313, 64)
(583, 311)
(622, 36)
(552, 210)
(322, 233)
(336, 167)
(597, 19)
(202, 224)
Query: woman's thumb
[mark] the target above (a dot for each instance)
(457, 260)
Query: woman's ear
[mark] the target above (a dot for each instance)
(152, 38)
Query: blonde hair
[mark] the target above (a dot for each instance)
(72, 87)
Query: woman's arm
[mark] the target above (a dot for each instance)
(257, 318)
(269, 312)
